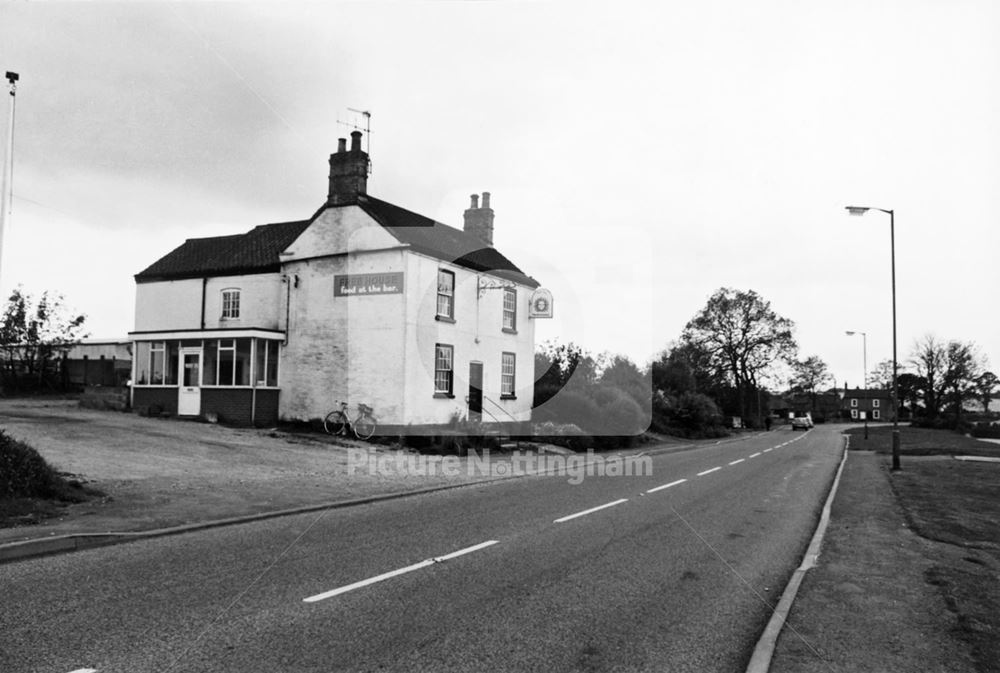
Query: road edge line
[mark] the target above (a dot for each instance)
(760, 661)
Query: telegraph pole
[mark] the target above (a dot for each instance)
(6, 201)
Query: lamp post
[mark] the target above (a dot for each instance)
(864, 363)
(858, 211)
(8, 163)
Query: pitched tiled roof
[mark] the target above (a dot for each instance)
(253, 252)
(438, 240)
(257, 250)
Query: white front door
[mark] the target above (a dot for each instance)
(189, 400)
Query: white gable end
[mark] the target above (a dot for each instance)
(338, 231)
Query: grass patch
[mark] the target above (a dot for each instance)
(920, 442)
(31, 489)
(956, 502)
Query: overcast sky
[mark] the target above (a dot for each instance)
(640, 155)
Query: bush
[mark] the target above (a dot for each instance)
(621, 415)
(25, 474)
(985, 431)
(568, 407)
(689, 415)
(566, 435)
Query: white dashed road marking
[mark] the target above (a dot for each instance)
(660, 488)
(737, 461)
(702, 474)
(84, 670)
(754, 455)
(591, 510)
(766, 450)
(396, 573)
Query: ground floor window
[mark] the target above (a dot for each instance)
(876, 415)
(507, 368)
(444, 364)
(225, 362)
(266, 366)
(156, 363)
(854, 413)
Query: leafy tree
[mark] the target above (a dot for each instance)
(742, 337)
(32, 335)
(963, 367)
(685, 368)
(911, 387)
(622, 373)
(986, 387)
(809, 376)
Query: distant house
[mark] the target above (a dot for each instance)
(363, 302)
(874, 404)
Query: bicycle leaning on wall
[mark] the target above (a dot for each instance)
(338, 422)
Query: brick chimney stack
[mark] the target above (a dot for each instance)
(479, 221)
(348, 172)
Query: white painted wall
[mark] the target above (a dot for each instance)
(168, 305)
(342, 348)
(176, 304)
(260, 301)
(338, 230)
(476, 335)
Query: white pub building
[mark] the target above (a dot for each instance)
(363, 302)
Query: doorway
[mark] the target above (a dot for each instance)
(189, 396)
(475, 392)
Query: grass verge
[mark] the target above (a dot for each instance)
(920, 442)
(958, 503)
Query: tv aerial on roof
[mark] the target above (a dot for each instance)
(356, 124)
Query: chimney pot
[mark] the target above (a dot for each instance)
(341, 144)
(479, 221)
(355, 141)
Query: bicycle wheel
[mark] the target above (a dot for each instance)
(364, 427)
(335, 422)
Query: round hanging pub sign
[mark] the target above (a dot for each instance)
(540, 304)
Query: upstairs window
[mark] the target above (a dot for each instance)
(230, 304)
(507, 368)
(875, 403)
(854, 401)
(446, 295)
(509, 309)
(444, 359)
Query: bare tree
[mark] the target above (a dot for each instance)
(928, 358)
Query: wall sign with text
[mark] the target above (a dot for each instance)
(355, 284)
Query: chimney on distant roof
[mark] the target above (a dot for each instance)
(479, 221)
(348, 172)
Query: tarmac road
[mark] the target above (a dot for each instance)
(529, 574)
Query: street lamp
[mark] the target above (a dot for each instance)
(861, 210)
(864, 362)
